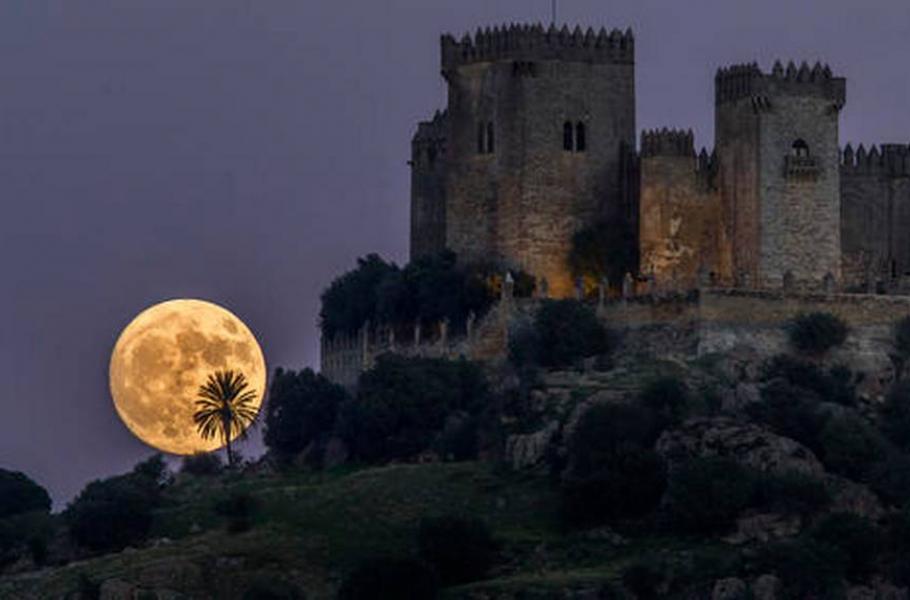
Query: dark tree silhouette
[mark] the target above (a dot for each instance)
(224, 407)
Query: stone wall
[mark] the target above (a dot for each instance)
(680, 210)
(875, 216)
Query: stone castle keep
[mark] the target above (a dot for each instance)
(538, 141)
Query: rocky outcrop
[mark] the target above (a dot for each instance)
(746, 443)
(528, 450)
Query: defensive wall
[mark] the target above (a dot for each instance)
(667, 324)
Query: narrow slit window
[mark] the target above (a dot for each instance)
(491, 138)
(568, 143)
(800, 149)
(581, 140)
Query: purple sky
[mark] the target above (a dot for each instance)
(245, 151)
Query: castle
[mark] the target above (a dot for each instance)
(538, 141)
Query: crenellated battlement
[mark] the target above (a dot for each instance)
(749, 81)
(667, 142)
(891, 160)
(534, 42)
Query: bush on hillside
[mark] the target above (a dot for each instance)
(26, 535)
(202, 464)
(351, 299)
(461, 550)
(806, 567)
(239, 509)
(645, 578)
(791, 493)
(837, 385)
(668, 397)
(612, 472)
(706, 495)
(790, 411)
(816, 333)
(270, 588)
(890, 478)
(850, 447)
(629, 485)
(856, 540)
(568, 331)
(403, 404)
(901, 345)
(895, 415)
(301, 410)
(390, 579)
(111, 514)
(19, 494)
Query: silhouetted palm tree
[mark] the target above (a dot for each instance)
(225, 407)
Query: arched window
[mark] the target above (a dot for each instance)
(568, 142)
(800, 148)
(580, 137)
(491, 138)
(481, 135)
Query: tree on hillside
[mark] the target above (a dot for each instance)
(351, 299)
(816, 333)
(19, 494)
(606, 249)
(301, 410)
(110, 514)
(403, 405)
(225, 408)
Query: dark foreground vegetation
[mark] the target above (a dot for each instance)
(572, 471)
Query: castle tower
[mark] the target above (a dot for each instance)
(537, 124)
(428, 194)
(777, 145)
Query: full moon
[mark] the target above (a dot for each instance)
(162, 358)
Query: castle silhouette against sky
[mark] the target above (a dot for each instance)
(538, 141)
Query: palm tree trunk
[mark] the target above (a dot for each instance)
(226, 432)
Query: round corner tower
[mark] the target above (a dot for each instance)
(537, 124)
(777, 144)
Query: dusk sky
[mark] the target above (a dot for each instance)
(247, 151)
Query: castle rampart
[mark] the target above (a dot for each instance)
(535, 43)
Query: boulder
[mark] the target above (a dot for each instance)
(762, 528)
(528, 450)
(731, 588)
(766, 587)
(746, 443)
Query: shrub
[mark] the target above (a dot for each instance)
(202, 464)
(807, 568)
(239, 509)
(668, 397)
(459, 439)
(110, 514)
(390, 579)
(890, 478)
(837, 385)
(524, 346)
(629, 485)
(612, 472)
(816, 333)
(461, 550)
(26, 534)
(351, 299)
(791, 412)
(606, 429)
(19, 494)
(269, 588)
(855, 538)
(301, 410)
(403, 403)
(644, 579)
(895, 415)
(706, 495)
(791, 493)
(851, 448)
(568, 331)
